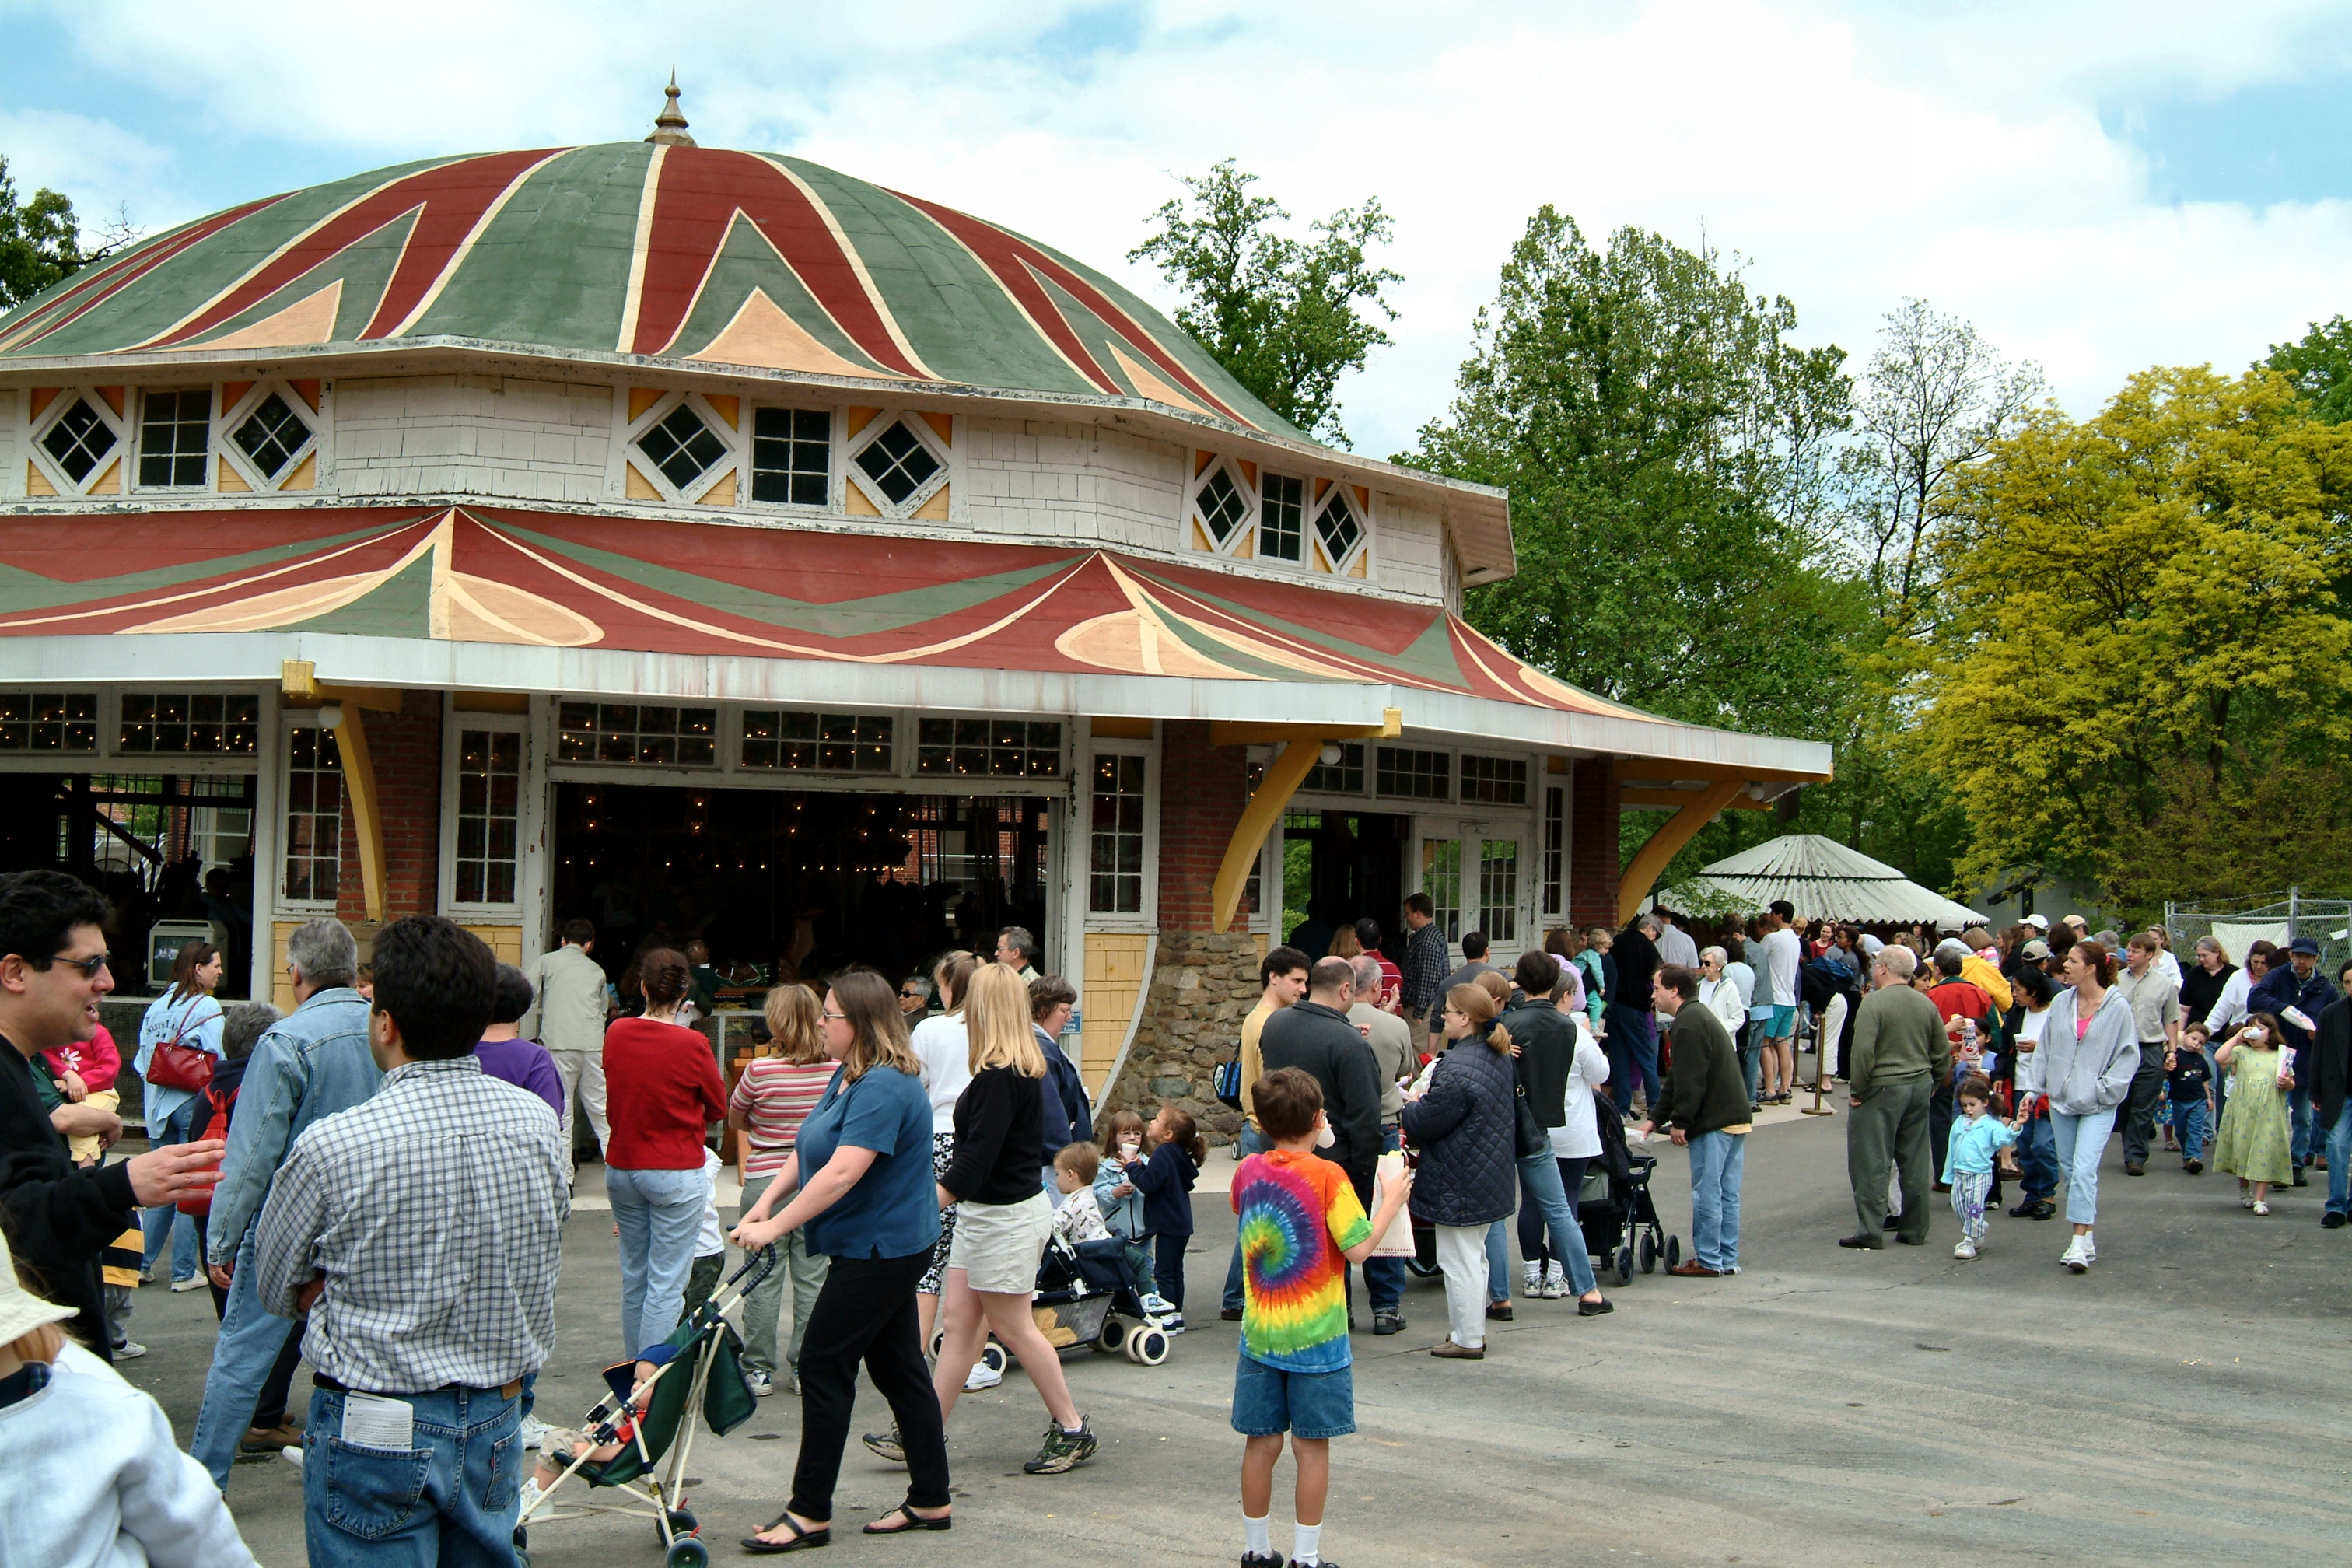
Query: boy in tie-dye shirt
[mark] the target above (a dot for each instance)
(1301, 1225)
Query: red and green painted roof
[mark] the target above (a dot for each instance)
(478, 574)
(677, 253)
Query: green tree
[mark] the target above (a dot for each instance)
(1288, 317)
(2320, 366)
(41, 241)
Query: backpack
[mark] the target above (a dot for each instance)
(1227, 1081)
(200, 1203)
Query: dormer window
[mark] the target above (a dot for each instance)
(175, 438)
(1337, 529)
(683, 446)
(1222, 507)
(80, 441)
(899, 463)
(272, 437)
(1281, 516)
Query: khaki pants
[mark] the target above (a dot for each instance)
(88, 1147)
(583, 1075)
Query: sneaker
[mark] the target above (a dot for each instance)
(1063, 1450)
(1261, 1560)
(130, 1350)
(886, 1445)
(146, 1276)
(1966, 1250)
(528, 1497)
(1156, 1305)
(2090, 1247)
(1387, 1323)
(1172, 1324)
(983, 1376)
(193, 1282)
(1555, 1283)
(2300, 1180)
(761, 1384)
(2074, 1256)
(1533, 1287)
(534, 1431)
(291, 1455)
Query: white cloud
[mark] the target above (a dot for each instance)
(1854, 153)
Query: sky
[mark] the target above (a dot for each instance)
(2097, 187)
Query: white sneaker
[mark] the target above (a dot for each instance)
(2090, 1247)
(1157, 1305)
(528, 1498)
(193, 1282)
(292, 1455)
(1555, 1284)
(1534, 1286)
(1173, 1326)
(983, 1376)
(2074, 1258)
(534, 1431)
(1966, 1249)
(761, 1384)
(130, 1350)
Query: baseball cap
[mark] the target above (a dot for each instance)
(2305, 944)
(2039, 922)
(2036, 948)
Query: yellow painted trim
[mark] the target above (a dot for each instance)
(936, 509)
(367, 820)
(1282, 777)
(727, 408)
(36, 483)
(1673, 799)
(1651, 857)
(640, 399)
(855, 503)
(1666, 770)
(110, 483)
(305, 476)
(1235, 732)
(636, 486)
(299, 678)
(228, 481)
(721, 493)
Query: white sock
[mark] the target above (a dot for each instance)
(1256, 1537)
(1305, 1545)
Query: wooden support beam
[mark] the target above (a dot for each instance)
(367, 818)
(1667, 770)
(1678, 829)
(1283, 776)
(1235, 732)
(1674, 799)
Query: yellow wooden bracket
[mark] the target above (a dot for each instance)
(1678, 830)
(299, 681)
(1283, 776)
(1666, 770)
(1234, 732)
(1674, 798)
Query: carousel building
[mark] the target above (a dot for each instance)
(709, 542)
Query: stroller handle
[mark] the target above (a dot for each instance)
(764, 1260)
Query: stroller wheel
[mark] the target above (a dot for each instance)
(993, 1356)
(682, 1522)
(689, 1553)
(1147, 1346)
(1649, 1253)
(1113, 1337)
(1673, 1250)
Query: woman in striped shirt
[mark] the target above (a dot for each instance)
(770, 1100)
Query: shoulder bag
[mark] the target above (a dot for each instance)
(175, 1065)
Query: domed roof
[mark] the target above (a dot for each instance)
(664, 250)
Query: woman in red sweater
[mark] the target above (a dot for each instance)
(662, 1082)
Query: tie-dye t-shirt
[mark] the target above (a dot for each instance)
(1297, 1212)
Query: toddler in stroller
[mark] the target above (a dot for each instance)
(1091, 1289)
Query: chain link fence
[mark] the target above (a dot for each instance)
(2326, 920)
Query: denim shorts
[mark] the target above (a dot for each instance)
(1268, 1401)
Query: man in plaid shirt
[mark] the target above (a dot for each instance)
(421, 1231)
(1424, 961)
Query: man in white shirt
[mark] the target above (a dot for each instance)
(1674, 944)
(1782, 956)
(567, 1018)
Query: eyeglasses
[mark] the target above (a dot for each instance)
(842, 1017)
(89, 966)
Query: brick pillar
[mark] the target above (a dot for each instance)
(406, 748)
(1203, 983)
(1593, 854)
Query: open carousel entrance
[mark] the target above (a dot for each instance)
(1339, 867)
(798, 883)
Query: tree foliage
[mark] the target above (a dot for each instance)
(1288, 317)
(40, 241)
(2320, 367)
(2142, 674)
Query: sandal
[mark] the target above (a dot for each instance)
(2261, 1207)
(914, 1521)
(802, 1541)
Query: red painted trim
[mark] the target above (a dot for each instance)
(115, 276)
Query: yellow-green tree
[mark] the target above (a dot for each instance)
(2141, 673)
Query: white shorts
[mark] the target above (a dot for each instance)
(998, 1246)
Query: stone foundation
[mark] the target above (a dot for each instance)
(1201, 990)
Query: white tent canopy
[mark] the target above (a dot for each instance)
(1826, 880)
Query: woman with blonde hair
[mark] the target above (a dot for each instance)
(943, 1049)
(1463, 1124)
(1003, 1217)
(772, 1097)
(859, 1180)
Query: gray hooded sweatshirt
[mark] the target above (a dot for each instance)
(2087, 1075)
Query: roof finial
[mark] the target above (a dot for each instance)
(669, 125)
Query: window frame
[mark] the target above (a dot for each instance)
(737, 739)
(943, 452)
(835, 420)
(1082, 810)
(735, 461)
(1306, 483)
(226, 425)
(38, 428)
(528, 836)
(136, 397)
(1316, 492)
(281, 840)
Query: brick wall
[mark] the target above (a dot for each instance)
(1592, 843)
(1203, 790)
(406, 750)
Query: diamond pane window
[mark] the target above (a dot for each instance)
(49, 720)
(80, 441)
(1280, 515)
(1401, 774)
(792, 455)
(200, 724)
(988, 748)
(272, 437)
(682, 447)
(1222, 506)
(1115, 865)
(898, 462)
(1345, 776)
(1496, 780)
(489, 810)
(649, 733)
(174, 430)
(314, 814)
(1337, 528)
(828, 742)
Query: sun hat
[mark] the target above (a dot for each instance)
(21, 1312)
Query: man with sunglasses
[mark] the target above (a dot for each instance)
(61, 1217)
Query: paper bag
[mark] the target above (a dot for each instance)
(1397, 1240)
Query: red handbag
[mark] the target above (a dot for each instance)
(175, 1065)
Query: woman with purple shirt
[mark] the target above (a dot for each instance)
(523, 1063)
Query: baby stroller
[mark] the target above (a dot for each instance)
(1090, 1291)
(699, 1375)
(1615, 1212)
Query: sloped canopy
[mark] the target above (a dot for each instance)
(1827, 881)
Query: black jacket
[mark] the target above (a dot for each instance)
(1703, 1091)
(1547, 1043)
(1637, 966)
(60, 1218)
(1000, 1139)
(1463, 1126)
(1321, 1042)
(2329, 1076)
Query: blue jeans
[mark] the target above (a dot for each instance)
(164, 1220)
(1499, 1261)
(243, 1355)
(1751, 1063)
(2081, 1141)
(2190, 1120)
(1252, 1141)
(2300, 1117)
(1384, 1276)
(2339, 1161)
(660, 1215)
(449, 1500)
(2037, 1157)
(1545, 1200)
(1717, 1160)
(1633, 1056)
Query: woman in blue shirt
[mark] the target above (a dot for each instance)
(188, 1015)
(860, 1187)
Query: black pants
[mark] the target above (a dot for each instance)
(866, 1313)
(2147, 1094)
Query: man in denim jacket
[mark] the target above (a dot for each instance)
(314, 1063)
